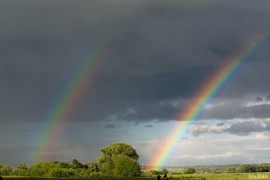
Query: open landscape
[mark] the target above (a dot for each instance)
(237, 176)
(134, 89)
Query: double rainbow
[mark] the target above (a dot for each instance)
(206, 93)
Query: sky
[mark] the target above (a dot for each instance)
(147, 60)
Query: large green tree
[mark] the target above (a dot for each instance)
(118, 158)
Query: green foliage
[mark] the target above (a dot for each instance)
(92, 166)
(231, 170)
(264, 167)
(118, 148)
(5, 170)
(75, 164)
(56, 172)
(82, 172)
(126, 166)
(106, 165)
(61, 172)
(190, 171)
(94, 174)
(19, 172)
(41, 168)
(22, 166)
(247, 168)
(116, 158)
(63, 165)
(164, 171)
(155, 172)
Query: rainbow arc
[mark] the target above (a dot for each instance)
(206, 93)
(66, 105)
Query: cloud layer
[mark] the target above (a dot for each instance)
(161, 52)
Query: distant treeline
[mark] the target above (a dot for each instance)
(249, 168)
(234, 168)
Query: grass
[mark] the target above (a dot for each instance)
(222, 176)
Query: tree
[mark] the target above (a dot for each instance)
(22, 166)
(92, 166)
(5, 170)
(126, 166)
(56, 172)
(106, 165)
(264, 167)
(41, 168)
(19, 172)
(231, 170)
(190, 171)
(247, 168)
(154, 172)
(63, 165)
(117, 155)
(164, 171)
(75, 164)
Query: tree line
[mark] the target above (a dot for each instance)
(250, 168)
(116, 160)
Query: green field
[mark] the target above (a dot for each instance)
(222, 176)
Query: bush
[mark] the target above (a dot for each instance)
(231, 170)
(56, 173)
(95, 174)
(41, 169)
(18, 172)
(5, 170)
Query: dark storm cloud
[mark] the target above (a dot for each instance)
(161, 54)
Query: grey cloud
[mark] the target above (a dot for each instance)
(245, 128)
(237, 109)
(267, 98)
(240, 128)
(148, 126)
(220, 124)
(197, 130)
(110, 126)
(258, 99)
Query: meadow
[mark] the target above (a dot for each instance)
(220, 176)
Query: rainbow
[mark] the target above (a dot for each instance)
(67, 103)
(206, 93)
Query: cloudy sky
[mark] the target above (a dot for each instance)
(158, 55)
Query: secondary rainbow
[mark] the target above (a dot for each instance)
(67, 103)
(206, 93)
